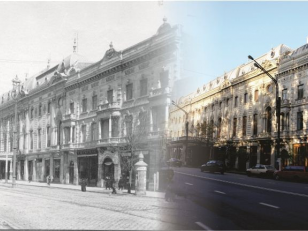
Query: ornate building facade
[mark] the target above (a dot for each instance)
(74, 119)
(241, 109)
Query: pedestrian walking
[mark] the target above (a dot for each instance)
(121, 184)
(114, 191)
(30, 178)
(48, 180)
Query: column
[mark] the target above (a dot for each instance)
(51, 166)
(34, 171)
(110, 127)
(99, 129)
(26, 174)
(66, 168)
(6, 167)
(166, 117)
(61, 168)
(76, 177)
(11, 169)
(18, 171)
(71, 135)
(43, 177)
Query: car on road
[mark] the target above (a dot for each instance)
(173, 162)
(261, 170)
(292, 173)
(214, 166)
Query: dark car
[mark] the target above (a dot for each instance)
(292, 173)
(214, 166)
(173, 162)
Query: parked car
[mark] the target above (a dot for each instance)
(261, 170)
(214, 166)
(173, 162)
(292, 172)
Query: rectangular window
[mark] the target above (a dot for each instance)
(164, 78)
(5, 141)
(93, 131)
(48, 136)
(300, 120)
(234, 127)
(31, 140)
(72, 107)
(143, 87)
(235, 101)
(84, 105)
(115, 127)
(105, 128)
(245, 98)
(83, 133)
(256, 95)
(227, 102)
(300, 92)
(73, 134)
(129, 91)
(255, 124)
(39, 138)
(40, 110)
(284, 94)
(94, 102)
(110, 96)
(24, 143)
(244, 125)
(282, 122)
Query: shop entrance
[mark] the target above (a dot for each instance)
(2, 169)
(87, 168)
(56, 173)
(47, 168)
(30, 169)
(71, 172)
(108, 168)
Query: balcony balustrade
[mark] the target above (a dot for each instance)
(114, 105)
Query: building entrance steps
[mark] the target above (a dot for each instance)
(77, 187)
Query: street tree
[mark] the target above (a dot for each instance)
(135, 134)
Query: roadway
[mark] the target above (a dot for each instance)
(238, 202)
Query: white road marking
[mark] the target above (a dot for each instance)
(246, 185)
(272, 206)
(203, 226)
(188, 183)
(219, 192)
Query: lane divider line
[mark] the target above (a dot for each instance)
(203, 226)
(272, 206)
(246, 185)
(188, 183)
(219, 192)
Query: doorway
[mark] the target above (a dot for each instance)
(71, 172)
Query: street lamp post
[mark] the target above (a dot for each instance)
(186, 127)
(15, 93)
(278, 103)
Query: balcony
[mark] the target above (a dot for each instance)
(113, 140)
(114, 105)
(159, 91)
(285, 102)
(70, 116)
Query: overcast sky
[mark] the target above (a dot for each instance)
(222, 34)
(33, 32)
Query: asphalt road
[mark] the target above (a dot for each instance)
(237, 202)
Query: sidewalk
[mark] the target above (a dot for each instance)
(78, 188)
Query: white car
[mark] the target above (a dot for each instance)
(261, 170)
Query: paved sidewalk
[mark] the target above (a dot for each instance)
(78, 187)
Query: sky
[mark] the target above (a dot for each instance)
(222, 34)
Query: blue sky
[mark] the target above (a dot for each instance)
(225, 33)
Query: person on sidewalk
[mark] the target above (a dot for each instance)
(30, 178)
(113, 186)
(48, 180)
